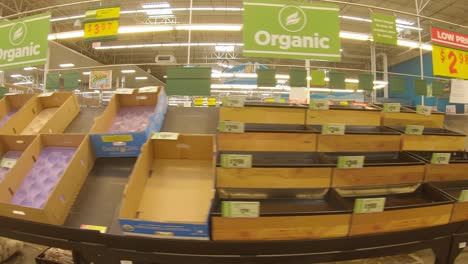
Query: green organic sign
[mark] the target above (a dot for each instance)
(24, 42)
(294, 30)
(384, 29)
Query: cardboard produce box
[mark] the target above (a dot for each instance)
(127, 122)
(12, 148)
(46, 113)
(279, 214)
(379, 168)
(276, 170)
(356, 115)
(46, 179)
(405, 207)
(456, 168)
(270, 137)
(171, 189)
(408, 116)
(360, 138)
(10, 105)
(457, 191)
(269, 113)
(432, 139)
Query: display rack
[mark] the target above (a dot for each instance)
(99, 201)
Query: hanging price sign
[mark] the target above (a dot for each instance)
(101, 29)
(450, 62)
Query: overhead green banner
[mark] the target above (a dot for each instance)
(337, 80)
(440, 89)
(298, 78)
(420, 87)
(293, 30)
(266, 78)
(396, 85)
(318, 78)
(53, 81)
(366, 82)
(384, 29)
(71, 80)
(23, 42)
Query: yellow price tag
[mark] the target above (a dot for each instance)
(211, 101)
(198, 101)
(270, 100)
(104, 13)
(101, 29)
(450, 62)
(117, 138)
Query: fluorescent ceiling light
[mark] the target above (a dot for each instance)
(209, 27)
(66, 18)
(404, 22)
(16, 75)
(86, 73)
(408, 43)
(67, 65)
(66, 35)
(156, 5)
(29, 68)
(127, 71)
(356, 18)
(22, 83)
(159, 12)
(353, 35)
(224, 48)
(164, 45)
(143, 29)
(426, 47)
(141, 78)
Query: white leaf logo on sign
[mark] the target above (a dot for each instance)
(18, 33)
(293, 19)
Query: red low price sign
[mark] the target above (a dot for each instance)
(449, 38)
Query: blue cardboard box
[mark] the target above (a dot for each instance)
(171, 189)
(127, 144)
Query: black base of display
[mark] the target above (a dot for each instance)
(91, 246)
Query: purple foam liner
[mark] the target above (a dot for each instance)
(14, 154)
(7, 117)
(132, 119)
(43, 177)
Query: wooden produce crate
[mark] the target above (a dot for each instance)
(454, 189)
(432, 139)
(171, 188)
(46, 113)
(408, 116)
(277, 170)
(283, 215)
(270, 137)
(43, 197)
(360, 138)
(11, 104)
(349, 115)
(380, 168)
(269, 113)
(457, 169)
(12, 148)
(405, 208)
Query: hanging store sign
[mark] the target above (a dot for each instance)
(24, 42)
(100, 80)
(101, 24)
(293, 30)
(449, 38)
(450, 62)
(384, 29)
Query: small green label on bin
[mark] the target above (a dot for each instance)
(423, 110)
(333, 129)
(463, 196)
(350, 162)
(414, 130)
(236, 161)
(233, 101)
(232, 127)
(165, 136)
(369, 205)
(319, 105)
(440, 158)
(240, 209)
(124, 91)
(392, 107)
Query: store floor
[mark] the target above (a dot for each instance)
(199, 121)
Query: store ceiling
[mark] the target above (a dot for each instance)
(356, 54)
